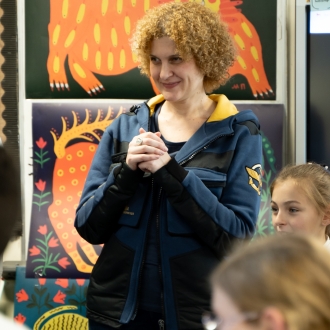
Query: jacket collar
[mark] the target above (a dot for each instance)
(223, 110)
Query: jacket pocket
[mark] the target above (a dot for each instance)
(213, 180)
(132, 212)
(110, 280)
(190, 273)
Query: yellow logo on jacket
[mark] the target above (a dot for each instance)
(255, 177)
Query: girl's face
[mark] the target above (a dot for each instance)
(178, 80)
(293, 211)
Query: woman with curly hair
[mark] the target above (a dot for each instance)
(174, 182)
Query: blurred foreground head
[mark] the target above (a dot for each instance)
(9, 197)
(276, 283)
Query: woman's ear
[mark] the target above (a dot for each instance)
(272, 319)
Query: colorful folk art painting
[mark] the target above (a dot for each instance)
(54, 304)
(65, 138)
(88, 52)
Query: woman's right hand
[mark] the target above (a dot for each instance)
(145, 147)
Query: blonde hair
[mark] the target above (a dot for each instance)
(197, 32)
(290, 273)
(314, 180)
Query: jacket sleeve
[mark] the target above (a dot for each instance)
(109, 186)
(217, 221)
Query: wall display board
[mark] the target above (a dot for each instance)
(80, 48)
(65, 138)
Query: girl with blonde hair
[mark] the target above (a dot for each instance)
(301, 201)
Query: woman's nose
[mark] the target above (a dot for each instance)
(165, 71)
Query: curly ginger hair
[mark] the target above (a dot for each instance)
(198, 33)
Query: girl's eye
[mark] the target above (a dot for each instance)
(274, 209)
(292, 210)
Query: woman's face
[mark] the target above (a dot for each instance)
(226, 310)
(178, 80)
(293, 211)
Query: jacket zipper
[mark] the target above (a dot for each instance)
(204, 148)
(144, 254)
(144, 248)
(161, 322)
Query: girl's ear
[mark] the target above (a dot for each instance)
(326, 218)
(272, 319)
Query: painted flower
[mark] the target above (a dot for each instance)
(80, 282)
(63, 262)
(34, 251)
(59, 297)
(21, 295)
(42, 230)
(63, 282)
(42, 281)
(53, 242)
(19, 318)
(41, 185)
(41, 143)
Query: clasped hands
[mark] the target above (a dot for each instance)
(147, 151)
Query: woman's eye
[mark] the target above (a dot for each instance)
(274, 209)
(176, 59)
(154, 59)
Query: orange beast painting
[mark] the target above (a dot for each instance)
(93, 36)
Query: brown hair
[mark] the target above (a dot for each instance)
(314, 180)
(290, 273)
(197, 32)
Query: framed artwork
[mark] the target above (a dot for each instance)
(80, 48)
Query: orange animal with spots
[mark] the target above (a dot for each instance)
(94, 36)
(69, 174)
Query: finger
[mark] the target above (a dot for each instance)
(149, 139)
(158, 134)
(146, 149)
(137, 159)
(145, 167)
(141, 131)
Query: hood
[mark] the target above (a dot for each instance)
(223, 110)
